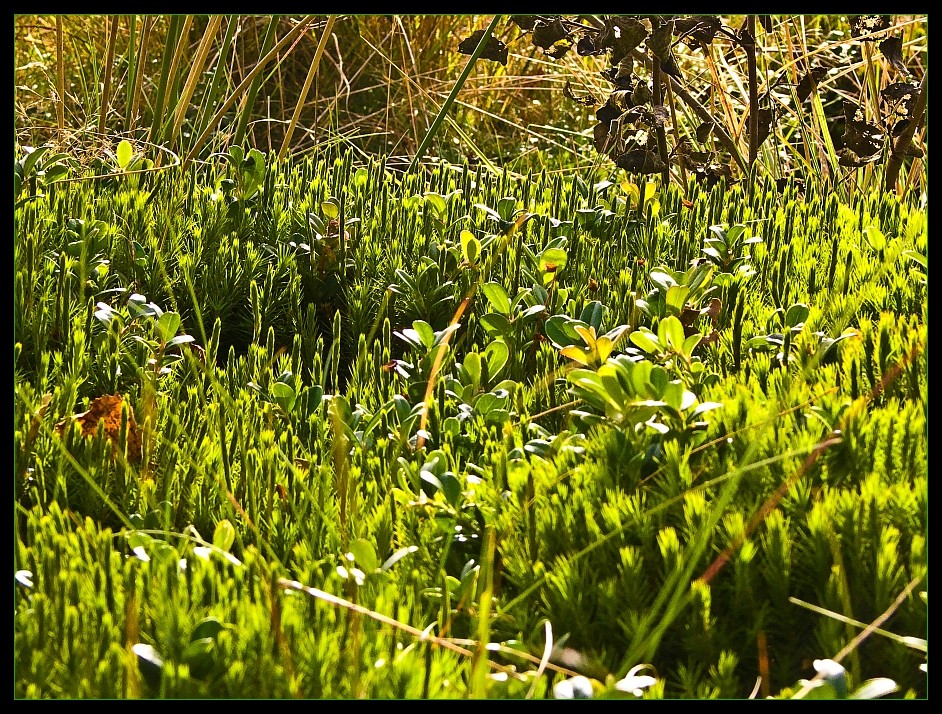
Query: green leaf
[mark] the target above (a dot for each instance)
(575, 353)
(437, 202)
(181, 340)
(496, 325)
(592, 315)
(149, 662)
(451, 488)
(916, 257)
(472, 367)
(224, 535)
(198, 656)
(670, 332)
(124, 154)
(555, 257)
(677, 297)
(167, 326)
(284, 395)
(331, 209)
(397, 556)
(673, 395)
(496, 356)
(874, 237)
(470, 246)
(644, 339)
(560, 330)
(425, 332)
(364, 554)
(690, 343)
(796, 315)
(497, 297)
(208, 627)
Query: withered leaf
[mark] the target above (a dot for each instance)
(766, 119)
(560, 48)
(704, 130)
(588, 101)
(698, 29)
(862, 138)
(586, 46)
(600, 137)
(661, 115)
(913, 151)
(901, 98)
(766, 22)
(620, 76)
(744, 38)
(524, 22)
(669, 66)
(631, 33)
(107, 409)
(548, 33)
(809, 81)
(865, 26)
(848, 157)
(620, 99)
(608, 112)
(494, 49)
(713, 309)
(709, 339)
(659, 42)
(892, 49)
(640, 161)
(689, 316)
(641, 94)
(710, 174)
(782, 183)
(897, 91)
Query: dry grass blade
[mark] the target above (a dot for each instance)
(869, 630)
(238, 91)
(147, 26)
(286, 144)
(196, 71)
(106, 85)
(60, 74)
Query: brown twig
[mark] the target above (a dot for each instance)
(718, 131)
(659, 128)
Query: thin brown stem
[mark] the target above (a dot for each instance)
(718, 131)
(659, 128)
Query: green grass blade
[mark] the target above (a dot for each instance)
(433, 130)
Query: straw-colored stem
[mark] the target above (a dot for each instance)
(147, 25)
(174, 67)
(196, 71)
(249, 101)
(60, 74)
(902, 143)
(285, 145)
(430, 134)
(240, 90)
(750, 48)
(106, 84)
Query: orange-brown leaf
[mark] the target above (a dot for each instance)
(107, 409)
